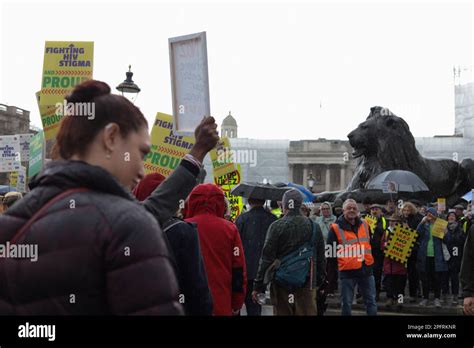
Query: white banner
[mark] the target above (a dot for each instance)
(10, 157)
(21, 180)
(25, 140)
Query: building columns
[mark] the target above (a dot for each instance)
(305, 175)
(328, 178)
(343, 177)
(290, 175)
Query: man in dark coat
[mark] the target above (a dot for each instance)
(184, 244)
(283, 237)
(253, 226)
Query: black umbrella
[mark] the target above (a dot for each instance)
(405, 181)
(259, 191)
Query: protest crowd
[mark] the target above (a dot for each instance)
(113, 240)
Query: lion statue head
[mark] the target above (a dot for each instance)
(386, 139)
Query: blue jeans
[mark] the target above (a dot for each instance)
(367, 288)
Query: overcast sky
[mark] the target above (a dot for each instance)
(286, 70)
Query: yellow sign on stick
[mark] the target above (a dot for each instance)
(401, 243)
(66, 64)
(167, 149)
(371, 221)
(227, 182)
(439, 228)
(222, 158)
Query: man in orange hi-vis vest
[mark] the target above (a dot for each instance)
(349, 238)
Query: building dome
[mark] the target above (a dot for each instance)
(229, 121)
(229, 127)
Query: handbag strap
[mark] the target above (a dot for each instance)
(40, 212)
(313, 231)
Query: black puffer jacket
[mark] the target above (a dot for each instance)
(99, 252)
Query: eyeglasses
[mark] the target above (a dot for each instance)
(325, 209)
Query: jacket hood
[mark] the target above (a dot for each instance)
(206, 199)
(147, 185)
(72, 174)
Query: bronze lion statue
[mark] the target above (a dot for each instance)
(384, 142)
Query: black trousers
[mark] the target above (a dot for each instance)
(413, 277)
(431, 279)
(253, 309)
(378, 268)
(395, 284)
(452, 276)
(331, 274)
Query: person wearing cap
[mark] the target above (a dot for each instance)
(464, 222)
(284, 236)
(430, 259)
(367, 203)
(337, 207)
(354, 257)
(395, 271)
(376, 242)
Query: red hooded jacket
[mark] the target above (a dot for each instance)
(221, 248)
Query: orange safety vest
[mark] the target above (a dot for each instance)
(353, 247)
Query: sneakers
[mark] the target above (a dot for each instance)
(437, 303)
(424, 303)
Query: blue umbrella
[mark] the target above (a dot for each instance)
(467, 196)
(308, 195)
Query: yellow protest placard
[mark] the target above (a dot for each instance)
(222, 158)
(13, 178)
(371, 221)
(66, 64)
(439, 228)
(167, 149)
(401, 243)
(227, 182)
(441, 205)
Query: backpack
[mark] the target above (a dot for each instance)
(295, 267)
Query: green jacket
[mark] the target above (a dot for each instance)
(467, 267)
(283, 237)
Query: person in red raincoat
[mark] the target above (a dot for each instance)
(395, 272)
(221, 248)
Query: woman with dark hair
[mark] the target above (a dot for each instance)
(412, 218)
(100, 252)
(454, 239)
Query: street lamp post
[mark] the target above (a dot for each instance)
(311, 181)
(129, 87)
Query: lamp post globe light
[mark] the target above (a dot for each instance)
(128, 88)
